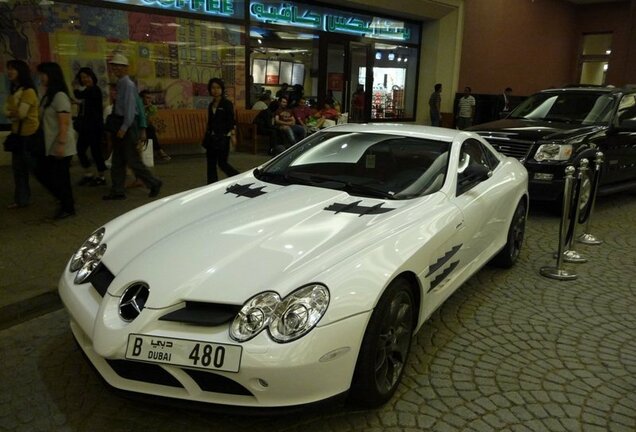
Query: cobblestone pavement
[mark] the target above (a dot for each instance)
(510, 350)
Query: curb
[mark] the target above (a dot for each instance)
(28, 309)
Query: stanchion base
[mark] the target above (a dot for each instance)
(558, 274)
(572, 256)
(589, 239)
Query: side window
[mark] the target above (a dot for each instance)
(472, 153)
(474, 165)
(627, 108)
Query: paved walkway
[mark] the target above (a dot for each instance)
(510, 350)
(35, 248)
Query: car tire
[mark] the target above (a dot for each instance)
(507, 257)
(385, 347)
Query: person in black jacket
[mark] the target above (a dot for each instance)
(89, 125)
(217, 135)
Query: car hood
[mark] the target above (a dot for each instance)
(532, 130)
(214, 245)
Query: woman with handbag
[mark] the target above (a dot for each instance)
(22, 109)
(217, 136)
(89, 125)
(59, 139)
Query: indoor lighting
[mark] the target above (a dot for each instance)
(260, 41)
(608, 52)
(399, 59)
(378, 55)
(406, 59)
(391, 56)
(605, 67)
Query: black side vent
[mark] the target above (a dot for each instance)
(144, 372)
(212, 382)
(203, 314)
(358, 209)
(244, 190)
(101, 279)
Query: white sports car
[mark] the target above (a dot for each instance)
(302, 280)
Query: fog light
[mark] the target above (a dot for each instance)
(543, 176)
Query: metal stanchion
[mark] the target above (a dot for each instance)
(587, 238)
(558, 272)
(570, 255)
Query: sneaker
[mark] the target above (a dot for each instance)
(98, 181)
(154, 190)
(85, 181)
(113, 196)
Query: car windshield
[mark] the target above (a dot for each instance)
(363, 164)
(568, 107)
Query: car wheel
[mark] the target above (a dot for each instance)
(385, 347)
(510, 252)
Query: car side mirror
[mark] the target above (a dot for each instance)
(471, 175)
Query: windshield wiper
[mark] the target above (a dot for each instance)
(351, 187)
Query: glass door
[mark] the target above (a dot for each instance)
(346, 78)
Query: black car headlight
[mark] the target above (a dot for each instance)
(286, 319)
(88, 256)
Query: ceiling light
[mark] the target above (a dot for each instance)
(391, 56)
(378, 55)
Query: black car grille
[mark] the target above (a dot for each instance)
(145, 372)
(155, 374)
(203, 314)
(101, 278)
(515, 149)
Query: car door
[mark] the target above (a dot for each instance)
(619, 144)
(482, 201)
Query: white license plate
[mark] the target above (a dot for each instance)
(184, 352)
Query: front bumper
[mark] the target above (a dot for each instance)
(271, 375)
(545, 181)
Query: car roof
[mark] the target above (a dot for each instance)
(418, 131)
(589, 89)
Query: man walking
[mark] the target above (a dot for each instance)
(126, 137)
(434, 103)
(466, 110)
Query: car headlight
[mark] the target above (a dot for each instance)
(553, 152)
(286, 319)
(88, 256)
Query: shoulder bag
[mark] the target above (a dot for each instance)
(13, 142)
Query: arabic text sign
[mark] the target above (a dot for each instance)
(330, 20)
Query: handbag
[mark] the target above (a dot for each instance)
(13, 142)
(113, 123)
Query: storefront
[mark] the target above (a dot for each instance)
(176, 46)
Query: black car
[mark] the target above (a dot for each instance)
(558, 127)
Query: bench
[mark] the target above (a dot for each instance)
(180, 126)
(247, 137)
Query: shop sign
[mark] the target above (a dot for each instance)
(329, 20)
(209, 7)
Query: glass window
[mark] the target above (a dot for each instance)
(394, 76)
(170, 56)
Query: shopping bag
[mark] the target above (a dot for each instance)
(147, 153)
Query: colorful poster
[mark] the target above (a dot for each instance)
(152, 28)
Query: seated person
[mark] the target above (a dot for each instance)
(302, 111)
(263, 102)
(329, 112)
(264, 121)
(315, 120)
(285, 121)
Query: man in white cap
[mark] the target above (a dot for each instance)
(125, 139)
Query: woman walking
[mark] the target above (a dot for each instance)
(217, 135)
(89, 125)
(22, 109)
(59, 139)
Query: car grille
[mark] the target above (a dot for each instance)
(155, 374)
(203, 314)
(515, 149)
(101, 278)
